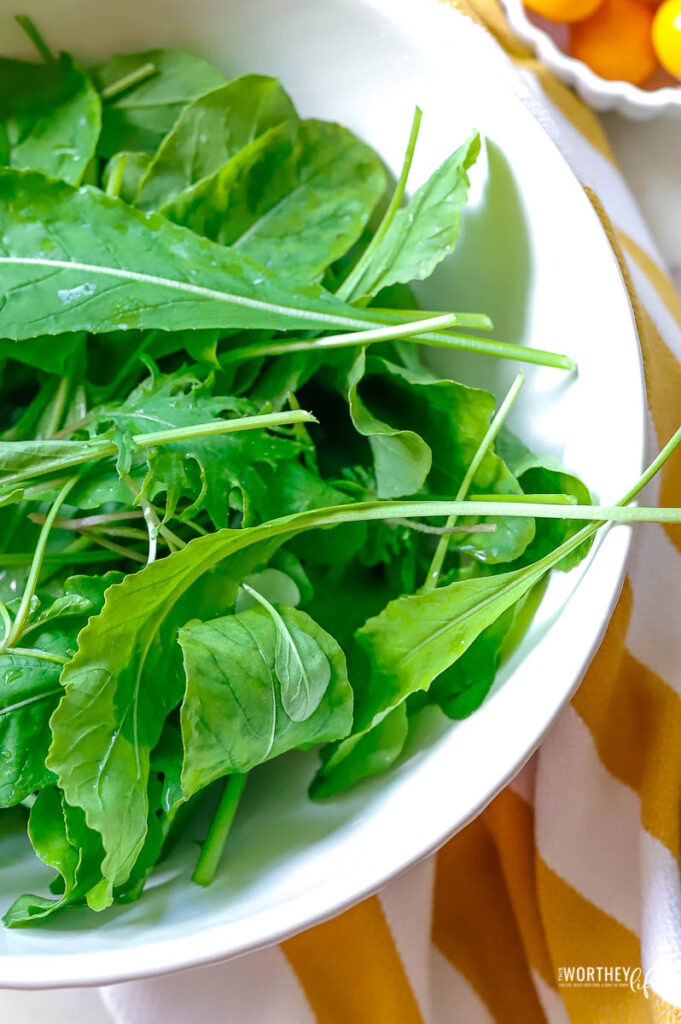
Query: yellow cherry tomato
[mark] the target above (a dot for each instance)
(667, 36)
(616, 41)
(563, 10)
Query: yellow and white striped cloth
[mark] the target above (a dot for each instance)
(575, 864)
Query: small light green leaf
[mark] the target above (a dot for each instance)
(50, 117)
(361, 756)
(139, 117)
(402, 459)
(209, 132)
(274, 585)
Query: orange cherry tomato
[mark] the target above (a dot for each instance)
(667, 36)
(616, 41)
(563, 10)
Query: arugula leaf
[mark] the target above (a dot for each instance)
(424, 231)
(542, 474)
(417, 637)
(165, 800)
(462, 687)
(125, 675)
(294, 200)
(361, 756)
(48, 353)
(233, 713)
(452, 419)
(132, 270)
(206, 470)
(31, 689)
(50, 117)
(138, 117)
(402, 459)
(209, 132)
(63, 841)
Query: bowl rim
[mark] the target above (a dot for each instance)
(576, 72)
(165, 956)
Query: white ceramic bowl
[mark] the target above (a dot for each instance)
(533, 255)
(601, 94)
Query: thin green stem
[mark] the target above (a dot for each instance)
(440, 531)
(211, 851)
(136, 77)
(36, 564)
(348, 286)
(115, 179)
(261, 422)
(88, 522)
(542, 499)
(6, 619)
(16, 559)
(483, 448)
(654, 467)
(34, 35)
(111, 389)
(53, 416)
(31, 652)
(454, 342)
(101, 449)
(116, 549)
(348, 339)
(499, 349)
(551, 510)
(480, 321)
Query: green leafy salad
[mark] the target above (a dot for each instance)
(238, 513)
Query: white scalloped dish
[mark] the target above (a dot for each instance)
(659, 96)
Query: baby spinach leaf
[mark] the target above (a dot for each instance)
(294, 200)
(50, 117)
(426, 230)
(209, 132)
(131, 270)
(361, 756)
(233, 716)
(402, 459)
(63, 841)
(138, 117)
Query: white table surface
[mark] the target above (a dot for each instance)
(650, 157)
